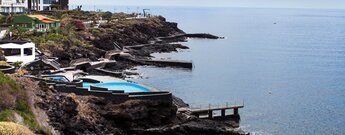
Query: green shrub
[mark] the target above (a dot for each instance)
(107, 15)
(96, 31)
(29, 120)
(8, 92)
(4, 115)
(39, 41)
(8, 98)
(4, 79)
(109, 29)
(3, 19)
(20, 33)
(54, 37)
(17, 64)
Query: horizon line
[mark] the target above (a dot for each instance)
(324, 8)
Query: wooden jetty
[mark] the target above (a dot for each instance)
(209, 111)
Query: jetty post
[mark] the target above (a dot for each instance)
(223, 112)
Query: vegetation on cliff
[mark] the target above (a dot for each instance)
(91, 34)
(15, 104)
(10, 128)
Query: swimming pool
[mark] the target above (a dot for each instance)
(57, 78)
(125, 86)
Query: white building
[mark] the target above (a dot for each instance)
(40, 5)
(13, 6)
(18, 51)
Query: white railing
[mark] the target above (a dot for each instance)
(210, 106)
(12, 4)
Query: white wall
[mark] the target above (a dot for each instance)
(6, 6)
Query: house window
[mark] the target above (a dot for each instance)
(48, 1)
(12, 52)
(46, 7)
(27, 51)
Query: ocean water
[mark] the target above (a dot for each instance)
(286, 65)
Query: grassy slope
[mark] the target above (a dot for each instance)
(14, 100)
(9, 128)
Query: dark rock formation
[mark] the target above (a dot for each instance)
(179, 102)
(71, 114)
(155, 34)
(202, 35)
(133, 32)
(147, 50)
(68, 52)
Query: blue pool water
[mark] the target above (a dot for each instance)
(87, 85)
(127, 87)
(58, 78)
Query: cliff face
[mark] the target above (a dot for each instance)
(71, 114)
(17, 105)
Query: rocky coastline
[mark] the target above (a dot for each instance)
(72, 114)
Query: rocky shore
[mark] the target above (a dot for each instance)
(58, 113)
(50, 112)
(141, 37)
(71, 114)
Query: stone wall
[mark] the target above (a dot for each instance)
(114, 96)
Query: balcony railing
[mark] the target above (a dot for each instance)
(12, 4)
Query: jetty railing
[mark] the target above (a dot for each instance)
(210, 110)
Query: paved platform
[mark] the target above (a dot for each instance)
(69, 76)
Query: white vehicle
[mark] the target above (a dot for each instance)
(18, 51)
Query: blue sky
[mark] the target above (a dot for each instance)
(330, 4)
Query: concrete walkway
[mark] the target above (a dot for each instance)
(69, 76)
(105, 78)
